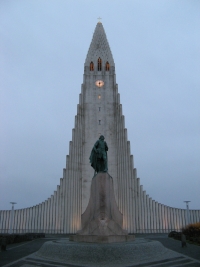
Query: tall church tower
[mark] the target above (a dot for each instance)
(99, 112)
(99, 92)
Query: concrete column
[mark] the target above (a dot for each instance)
(120, 186)
(182, 218)
(174, 219)
(76, 176)
(122, 174)
(54, 213)
(16, 221)
(33, 219)
(12, 218)
(36, 218)
(127, 164)
(160, 218)
(27, 219)
(72, 183)
(67, 197)
(145, 212)
(192, 216)
(164, 219)
(125, 223)
(197, 218)
(21, 220)
(118, 157)
(70, 189)
(58, 211)
(1, 221)
(198, 215)
(74, 166)
(65, 179)
(5, 227)
(129, 170)
(154, 216)
(79, 163)
(39, 218)
(51, 214)
(139, 207)
(135, 198)
(151, 215)
(148, 221)
(45, 216)
(170, 218)
(79, 172)
(42, 217)
(141, 210)
(6, 221)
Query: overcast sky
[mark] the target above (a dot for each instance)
(156, 49)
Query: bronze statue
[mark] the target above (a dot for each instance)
(98, 156)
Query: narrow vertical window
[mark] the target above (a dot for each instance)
(107, 66)
(91, 66)
(99, 108)
(99, 122)
(99, 64)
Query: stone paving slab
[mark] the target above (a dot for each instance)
(167, 258)
(31, 261)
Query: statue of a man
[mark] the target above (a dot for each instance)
(98, 156)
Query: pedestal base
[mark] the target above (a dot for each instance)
(102, 238)
(106, 255)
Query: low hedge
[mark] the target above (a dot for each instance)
(191, 232)
(17, 238)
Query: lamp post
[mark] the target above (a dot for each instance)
(11, 218)
(188, 214)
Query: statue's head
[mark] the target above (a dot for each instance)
(101, 137)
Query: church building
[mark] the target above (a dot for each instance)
(99, 112)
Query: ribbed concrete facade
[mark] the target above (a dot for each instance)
(99, 112)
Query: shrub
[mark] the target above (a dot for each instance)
(192, 230)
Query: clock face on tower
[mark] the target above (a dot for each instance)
(99, 83)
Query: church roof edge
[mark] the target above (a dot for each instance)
(99, 47)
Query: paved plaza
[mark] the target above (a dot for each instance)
(24, 254)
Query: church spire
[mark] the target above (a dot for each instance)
(99, 48)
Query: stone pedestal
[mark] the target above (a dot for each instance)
(102, 221)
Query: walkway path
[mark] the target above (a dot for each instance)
(21, 255)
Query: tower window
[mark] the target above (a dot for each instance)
(99, 108)
(99, 122)
(99, 64)
(107, 66)
(91, 66)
